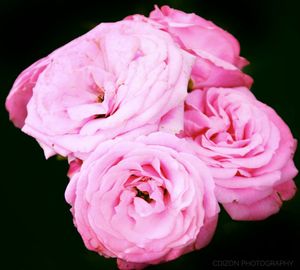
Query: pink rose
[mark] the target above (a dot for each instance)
(248, 147)
(119, 77)
(145, 201)
(218, 62)
(21, 92)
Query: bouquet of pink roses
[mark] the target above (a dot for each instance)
(158, 124)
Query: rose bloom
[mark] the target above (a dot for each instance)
(218, 61)
(145, 201)
(119, 77)
(248, 148)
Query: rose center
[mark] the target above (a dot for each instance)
(100, 97)
(190, 86)
(143, 195)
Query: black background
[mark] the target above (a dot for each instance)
(38, 232)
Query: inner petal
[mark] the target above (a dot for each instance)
(142, 207)
(84, 111)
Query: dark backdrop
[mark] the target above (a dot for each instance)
(38, 232)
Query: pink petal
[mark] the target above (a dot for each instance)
(257, 211)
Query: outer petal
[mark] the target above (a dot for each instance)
(207, 232)
(286, 190)
(210, 71)
(123, 265)
(21, 92)
(257, 211)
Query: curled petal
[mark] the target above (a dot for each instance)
(21, 92)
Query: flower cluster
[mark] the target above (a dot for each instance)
(159, 127)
